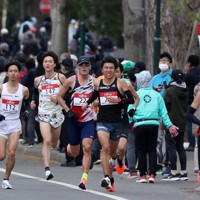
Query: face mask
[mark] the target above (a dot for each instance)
(163, 67)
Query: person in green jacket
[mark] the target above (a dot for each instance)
(150, 110)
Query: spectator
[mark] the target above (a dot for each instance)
(150, 109)
(191, 79)
(106, 46)
(175, 99)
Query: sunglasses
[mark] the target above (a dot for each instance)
(84, 65)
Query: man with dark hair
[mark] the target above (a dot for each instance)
(191, 78)
(159, 83)
(50, 114)
(112, 94)
(12, 94)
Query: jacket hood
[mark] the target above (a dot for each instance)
(181, 89)
(143, 79)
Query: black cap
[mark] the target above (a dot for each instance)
(83, 59)
(67, 63)
(140, 65)
(177, 74)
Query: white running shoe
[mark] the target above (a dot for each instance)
(112, 163)
(106, 183)
(6, 185)
(48, 174)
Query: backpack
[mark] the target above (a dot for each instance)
(195, 127)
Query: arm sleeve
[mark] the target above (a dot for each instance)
(26, 103)
(129, 98)
(191, 117)
(93, 97)
(35, 96)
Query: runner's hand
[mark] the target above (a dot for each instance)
(71, 115)
(131, 112)
(2, 118)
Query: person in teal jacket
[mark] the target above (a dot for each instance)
(150, 110)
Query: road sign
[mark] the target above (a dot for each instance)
(45, 6)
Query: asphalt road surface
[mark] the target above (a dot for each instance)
(29, 183)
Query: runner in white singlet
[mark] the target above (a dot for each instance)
(12, 94)
(49, 111)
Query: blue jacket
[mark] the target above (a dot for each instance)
(160, 78)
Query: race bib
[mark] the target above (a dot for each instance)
(80, 99)
(49, 90)
(10, 105)
(104, 100)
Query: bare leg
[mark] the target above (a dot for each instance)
(105, 152)
(87, 142)
(12, 146)
(46, 134)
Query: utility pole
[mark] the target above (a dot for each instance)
(82, 36)
(157, 38)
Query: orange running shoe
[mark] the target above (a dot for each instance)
(120, 169)
(112, 189)
(83, 184)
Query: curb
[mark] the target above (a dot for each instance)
(36, 151)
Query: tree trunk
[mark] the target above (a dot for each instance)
(59, 26)
(134, 35)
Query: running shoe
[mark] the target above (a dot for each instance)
(126, 171)
(83, 184)
(167, 171)
(183, 177)
(6, 185)
(119, 169)
(142, 179)
(196, 171)
(152, 178)
(48, 175)
(172, 177)
(106, 183)
(132, 174)
(112, 163)
(112, 189)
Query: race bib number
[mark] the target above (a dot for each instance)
(80, 99)
(50, 90)
(104, 97)
(10, 105)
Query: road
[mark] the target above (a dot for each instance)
(29, 184)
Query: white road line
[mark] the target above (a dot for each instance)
(66, 185)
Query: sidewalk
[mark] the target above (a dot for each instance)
(56, 156)
(36, 151)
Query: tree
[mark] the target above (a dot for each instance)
(134, 30)
(178, 30)
(59, 17)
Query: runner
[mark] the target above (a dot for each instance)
(126, 131)
(12, 95)
(81, 124)
(50, 114)
(111, 92)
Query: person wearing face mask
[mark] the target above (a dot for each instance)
(159, 83)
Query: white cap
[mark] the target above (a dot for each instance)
(42, 29)
(4, 31)
(73, 57)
